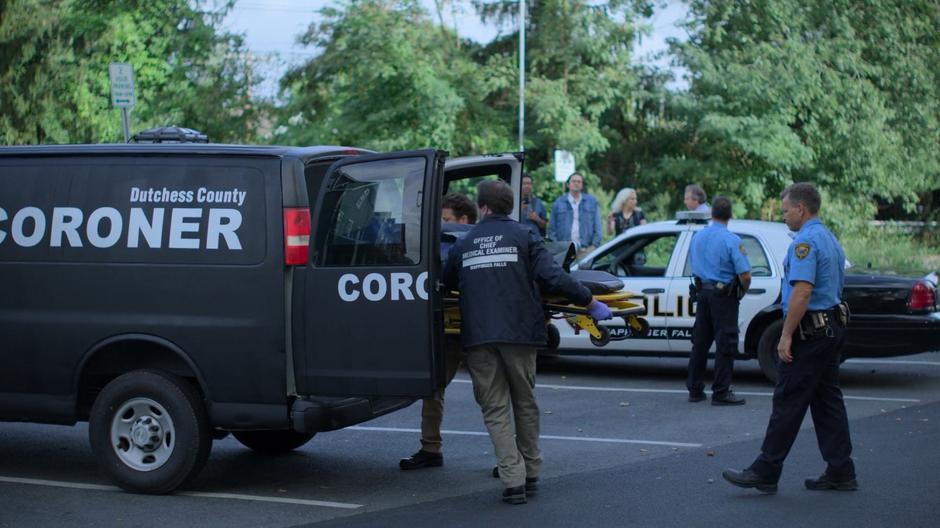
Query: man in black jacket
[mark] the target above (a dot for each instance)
(498, 268)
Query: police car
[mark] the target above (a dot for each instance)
(891, 315)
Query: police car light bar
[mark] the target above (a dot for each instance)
(693, 217)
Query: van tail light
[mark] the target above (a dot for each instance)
(296, 235)
(922, 297)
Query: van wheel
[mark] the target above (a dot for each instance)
(272, 442)
(149, 431)
(767, 350)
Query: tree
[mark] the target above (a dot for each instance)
(577, 70)
(54, 57)
(386, 78)
(845, 93)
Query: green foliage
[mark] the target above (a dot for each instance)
(898, 252)
(388, 79)
(844, 93)
(54, 57)
(577, 70)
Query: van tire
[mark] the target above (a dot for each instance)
(272, 442)
(767, 350)
(165, 406)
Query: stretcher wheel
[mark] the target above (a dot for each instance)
(554, 338)
(603, 339)
(644, 327)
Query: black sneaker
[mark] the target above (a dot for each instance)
(697, 397)
(422, 459)
(531, 483)
(749, 479)
(514, 495)
(727, 398)
(825, 482)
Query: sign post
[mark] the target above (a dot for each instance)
(564, 165)
(122, 92)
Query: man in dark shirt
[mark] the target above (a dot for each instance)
(496, 268)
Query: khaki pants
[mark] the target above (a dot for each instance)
(504, 376)
(432, 409)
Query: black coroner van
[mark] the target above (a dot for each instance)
(169, 294)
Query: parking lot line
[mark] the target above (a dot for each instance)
(683, 391)
(543, 437)
(235, 496)
(893, 362)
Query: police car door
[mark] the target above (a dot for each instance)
(372, 311)
(644, 263)
(765, 280)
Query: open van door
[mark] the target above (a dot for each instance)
(369, 320)
(464, 173)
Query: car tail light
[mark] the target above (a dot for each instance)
(296, 235)
(922, 297)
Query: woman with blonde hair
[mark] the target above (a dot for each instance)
(624, 212)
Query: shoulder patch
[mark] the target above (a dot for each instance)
(801, 250)
(743, 251)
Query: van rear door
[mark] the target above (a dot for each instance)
(367, 310)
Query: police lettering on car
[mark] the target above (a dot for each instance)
(810, 348)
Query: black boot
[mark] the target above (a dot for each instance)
(727, 398)
(749, 479)
(514, 495)
(825, 482)
(422, 459)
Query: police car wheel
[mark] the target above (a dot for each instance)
(272, 442)
(767, 350)
(603, 339)
(149, 431)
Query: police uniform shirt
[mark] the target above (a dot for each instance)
(717, 254)
(816, 257)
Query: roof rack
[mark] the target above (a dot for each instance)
(693, 217)
(169, 134)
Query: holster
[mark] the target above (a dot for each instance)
(844, 314)
(816, 324)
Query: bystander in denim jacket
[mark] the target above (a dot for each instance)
(589, 220)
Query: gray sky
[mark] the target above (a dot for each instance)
(271, 28)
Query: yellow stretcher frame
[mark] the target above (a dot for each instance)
(578, 317)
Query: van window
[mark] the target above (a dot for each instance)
(372, 214)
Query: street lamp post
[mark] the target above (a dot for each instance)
(521, 74)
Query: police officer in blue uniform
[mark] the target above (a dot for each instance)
(809, 352)
(722, 273)
(496, 268)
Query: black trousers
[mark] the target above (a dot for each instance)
(811, 380)
(716, 320)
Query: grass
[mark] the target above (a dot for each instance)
(887, 251)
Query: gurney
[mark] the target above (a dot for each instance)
(604, 287)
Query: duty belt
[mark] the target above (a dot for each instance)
(818, 323)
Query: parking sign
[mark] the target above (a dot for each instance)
(122, 85)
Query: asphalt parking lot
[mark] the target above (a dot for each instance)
(621, 446)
